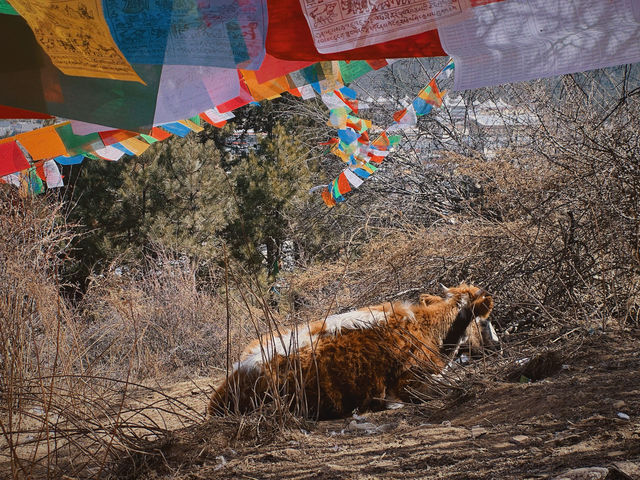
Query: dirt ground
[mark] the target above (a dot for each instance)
(586, 414)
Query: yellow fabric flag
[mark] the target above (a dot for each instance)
(76, 36)
(136, 146)
(191, 125)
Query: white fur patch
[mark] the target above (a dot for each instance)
(357, 319)
(293, 340)
(289, 341)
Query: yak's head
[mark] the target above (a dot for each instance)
(480, 333)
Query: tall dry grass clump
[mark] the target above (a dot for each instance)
(158, 319)
(69, 405)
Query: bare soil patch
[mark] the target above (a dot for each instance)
(574, 418)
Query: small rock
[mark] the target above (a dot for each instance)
(446, 423)
(589, 473)
(290, 452)
(520, 439)
(367, 427)
(619, 404)
(477, 431)
(623, 416)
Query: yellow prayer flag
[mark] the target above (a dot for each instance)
(191, 125)
(76, 36)
(136, 146)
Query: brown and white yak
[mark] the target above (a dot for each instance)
(364, 359)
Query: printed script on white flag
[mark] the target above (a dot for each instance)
(517, 40)
(338, 25)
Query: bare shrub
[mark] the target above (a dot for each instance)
(57, 415)
(161, 313)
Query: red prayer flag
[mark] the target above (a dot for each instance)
(12, 112)
(12, 159)
(40, 171)
(343, 184)
(159, 133)
(273, 67)
(328, 199)
(287, 22)
(399, 114)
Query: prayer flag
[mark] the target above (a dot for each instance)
(42, 143)
(76, 37)
(75, 160)
(328, 199)
(221, 33)
(176, 128)
(136, 146)
(110, 152)
(353, 178)
(52, 174)
(343, 184)
(159, 133)
(515, 41)
(11, 158)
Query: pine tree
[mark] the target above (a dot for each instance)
(269, 183)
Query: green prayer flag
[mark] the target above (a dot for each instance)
(78, 144)
(7, 9)
(353, 69)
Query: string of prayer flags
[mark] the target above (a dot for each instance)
(355, 147)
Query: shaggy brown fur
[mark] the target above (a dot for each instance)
(361, 360)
